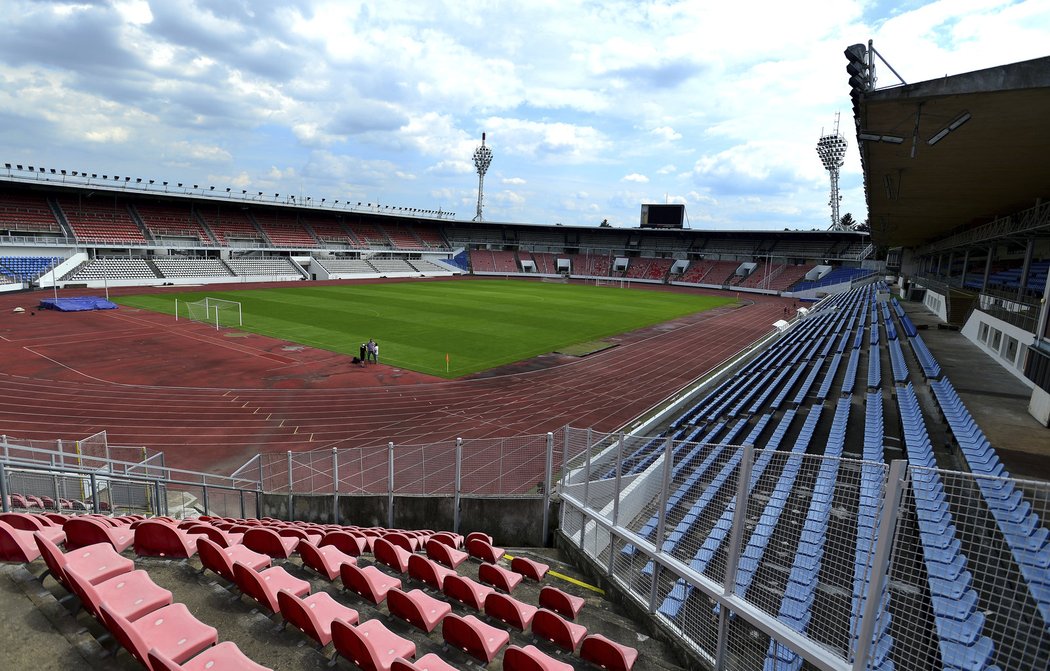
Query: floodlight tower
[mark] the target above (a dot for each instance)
(482, 159)
(832, 151)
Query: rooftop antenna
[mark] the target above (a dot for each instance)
(482, 159)
(831, 149)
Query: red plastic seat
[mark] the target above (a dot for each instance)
(171, 630)
(529, 568)
(474, 637)
(262, 586)
(17, 545)
(480, 535)
(221, 538)
(300, 533)
(394, 556)
(450, 539)
(326, 559)
(225, 656)
(346, 542)
(466, 591)
(556, 629)
(130, 595)
(429, 662)
(220, 559)
(417, 608)
(445, 555)
(406, 542)
(155, 538)
(369, 582)
(509, 610)
(313, 615)
(428, 571)
(608, 654)
(479, 549)
(558, 601)
(96, 563)
(531, 658)
(269, 542)
(499, 577)
(370, 645)
(33, 522)
(86, 530)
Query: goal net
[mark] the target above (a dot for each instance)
(611, 283)
(217, 311)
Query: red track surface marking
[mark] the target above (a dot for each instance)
(211, 401)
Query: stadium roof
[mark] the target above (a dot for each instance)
(962, 150)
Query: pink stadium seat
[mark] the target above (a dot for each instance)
(499, 577)
(608, 654)
(346, 542)
(445, 555)
(509, 610)
(477, 535)
(154, 538)
(326, 560)
(34, 522)
(557, 600)
(549, 625)
(301, 533)
(466, 591)
(531, 658)
(130, 595)
(262, 586)
(96, 563)
(474, 637)
(85, 530)
(369, 582)
(222, 538)
(220, 559)
(225, 656)
(394, 556)
(401, 540)
(313, 615)
(171, 630)
(448, 538)
(484, 551)
(429, 662)
(428, 571)
(17, 545)
(529, 568)
(269, 542)
(417, 608)
(370, 645)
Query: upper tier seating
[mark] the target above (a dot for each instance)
(172, 221)
(329, 231)
(101, 221)
(403, 237)
(286, 231)
(709, 272)
(596, 265)
(371, 235)
(28, 213)
(232, 227)
(430, 236)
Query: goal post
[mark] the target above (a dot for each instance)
(610, 282)
(217, 311)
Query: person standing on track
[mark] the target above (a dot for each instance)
(372, 354)
(363, 354)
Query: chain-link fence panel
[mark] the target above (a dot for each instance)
(364, 470)
(425, 469)
(504, 466)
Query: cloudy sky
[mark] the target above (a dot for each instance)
(591, 108)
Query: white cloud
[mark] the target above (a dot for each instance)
(636, 178)
(513, 180)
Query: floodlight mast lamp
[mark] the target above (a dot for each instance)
(482, 160)
(831, 149)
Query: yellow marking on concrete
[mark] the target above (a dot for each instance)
(569, 579)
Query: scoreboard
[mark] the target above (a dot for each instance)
(663, 215)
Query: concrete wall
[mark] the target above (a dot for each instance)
(511, 521)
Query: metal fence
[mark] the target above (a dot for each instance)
(75, 476)
(828, 563)
(490, 466)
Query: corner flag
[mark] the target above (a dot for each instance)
(446, 362)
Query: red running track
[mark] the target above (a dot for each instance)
(212, 400)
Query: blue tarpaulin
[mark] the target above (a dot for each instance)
(77, 304)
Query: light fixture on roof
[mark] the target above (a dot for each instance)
(954, 125)
(52, 171)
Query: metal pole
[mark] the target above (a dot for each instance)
(241, 492)
(390, 485)
(95, 507)
(880, 564)
(207, 508)
(289, 484)
(665, 487)
(459, 485)
(587, 472)
(736, 536)
(5, 505)
(335, 485)
(616, 499)
(548, 484)
(259, 489)
(565, 456)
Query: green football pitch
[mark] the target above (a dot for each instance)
(479, 324)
